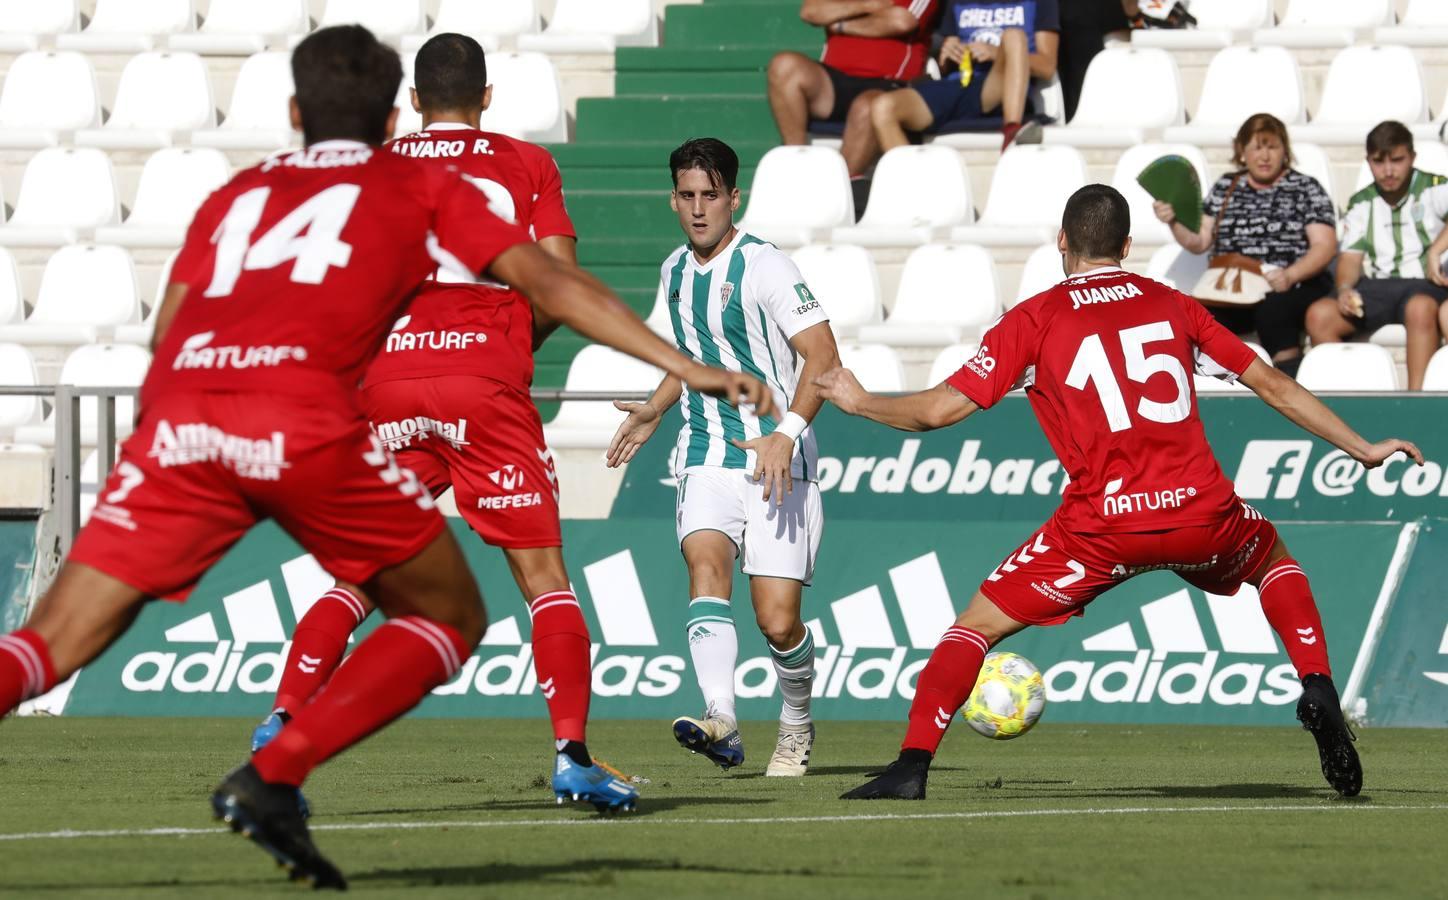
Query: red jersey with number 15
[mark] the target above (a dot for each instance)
(458, 326)
(1106, 358)
(297, 267)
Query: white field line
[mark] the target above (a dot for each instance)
(626, 822)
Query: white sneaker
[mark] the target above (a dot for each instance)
(791, 753)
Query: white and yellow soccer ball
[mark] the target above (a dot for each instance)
(1008, 699)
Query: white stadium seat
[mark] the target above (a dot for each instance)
(85, 291)
(258, 117)
(47, 93)
(388, 19)
(1218, 22)
(64, 191)
(947, 291)
(1436, 377)
(843, 279)
(25, 23)
(130, 26)
(1149, 76)
(1239, 82)
(595, 26)
(1432, 157)
(488, 22)
(140, 333)
(948, 361)
(1210, 384)
(877, 366)
(527, 98)
(1326, 23)
(1146, 228)
(1310, 159)
(243, 27)
(797, 192)
(1028, 191)
(17, 369)
(1348, 367)
(12, 298)
(174, 181)
(160, 93)
(1175, 267)
(1366, 85)
(915, 192)
(590, 424)
(95, 365)
(1041, 272)
(1424, 24)
(660, 320)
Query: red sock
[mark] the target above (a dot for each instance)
(25, 669)
(945, 682)
(1008, 134)
(389, 673)
(317, 646)
(1287, 601)
(561, 659)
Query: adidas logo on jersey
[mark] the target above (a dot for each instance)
(1109, 294)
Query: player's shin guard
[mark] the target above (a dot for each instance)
(561, 660)
(1287, 602)
(714, 648)
(945, 682)
(25, 669)
(390, 673)
(795, 669)
(317, 647)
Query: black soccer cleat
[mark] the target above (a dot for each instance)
(904, 779)
(270, 816)
(1320, 712)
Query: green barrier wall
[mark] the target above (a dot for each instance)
(17, 567)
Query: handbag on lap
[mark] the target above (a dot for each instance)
(1231, 279)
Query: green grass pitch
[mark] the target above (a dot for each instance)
(461, 808)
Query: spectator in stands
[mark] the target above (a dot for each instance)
(1085, 26)
(1274, 214)
(989, 52)
(1382, 270)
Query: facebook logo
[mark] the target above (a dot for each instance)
(1272, 469)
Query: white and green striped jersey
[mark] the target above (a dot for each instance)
(738, 312)
(1394, 240)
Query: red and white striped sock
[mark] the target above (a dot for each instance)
(561, 660)
(25, 669)
(1287, 602)
(944, 683)
(317, 646)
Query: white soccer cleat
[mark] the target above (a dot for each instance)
(791, 752)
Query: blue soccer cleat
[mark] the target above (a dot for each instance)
(269, 728)
(713, 736)
(605, 789)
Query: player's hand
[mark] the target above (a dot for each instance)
(1277, 280)
(735, 387)
(1382, 451)
(1350, 303)
(642, 422)
(774, 454)
(841, 387)
(1435, 271)
(982, 52)
(1165, 213)
(953, 50)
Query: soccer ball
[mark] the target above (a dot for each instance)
(1009, 697)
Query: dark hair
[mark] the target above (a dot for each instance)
(1387, 137)
(1097, 222)
(1261, 123)
(346, 84)
(451, 73)
(711, 155)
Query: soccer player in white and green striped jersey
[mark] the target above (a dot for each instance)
(746, 482)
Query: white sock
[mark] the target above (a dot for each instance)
(714, 647)
(795, 668)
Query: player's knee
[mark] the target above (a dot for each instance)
(786, 70)
(1421, 313)
(1323, 321)
(884, 111)
(1013, 40)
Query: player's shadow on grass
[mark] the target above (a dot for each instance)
(582, 873)
(647, 805)
(1258, 791)
(850, 770)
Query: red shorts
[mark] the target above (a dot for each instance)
(203, 468)
(1057, 572)
(485, 441)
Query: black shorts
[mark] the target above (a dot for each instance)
(1386, 299)
(1278, 319)
(849, 87)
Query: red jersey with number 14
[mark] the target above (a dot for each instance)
(459, 326)
(1107, 358)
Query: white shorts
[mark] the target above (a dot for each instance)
(774, 541)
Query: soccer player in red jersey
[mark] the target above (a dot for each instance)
(448, 395)
(284, 288)
(1106, 359)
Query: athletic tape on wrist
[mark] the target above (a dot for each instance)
(792, 425)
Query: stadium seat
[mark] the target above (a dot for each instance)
(1364, 86)
(17, 369)
(488, 22)
(174, 181)
(1326, 23)
(877, 366)
(1436, 377)
(1028, 191)
(64, 191)
(160, 93)
(1310, 159)
(1175, 267)
(1424, 24)
(95, 365)
(1239, 82)
(1348, 367)
(1148, 76)
(948, 361)
(843, 278)
(595, 26)
(1041, 272)
(130, 26)
(1218, 24)
(25, 24)
(527, 98)
(1210, 384)
(590, 424)
(140, 333)
(12, 298)
(388, 19)
(244, 27)
(947, 291)
(46, 94)
(258, 117)
(798, 192)
(915, 192)
(1146, 229)
(1432, 157)
(85, 291)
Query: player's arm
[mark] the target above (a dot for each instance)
(1303, 409)
(1321, 248)
(825, 13)
(170, 306)
(890, 22)
(563, 248)
(1435, 256)
(1043, 61)
(939, 407)
(642, 421)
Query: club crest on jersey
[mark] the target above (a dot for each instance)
(726, 290)
(1109, 294)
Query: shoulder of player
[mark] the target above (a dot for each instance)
(1094, 288)
(672, 260)
(1366, 195)
(763, 259)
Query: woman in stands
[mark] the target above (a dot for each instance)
(1269, 212)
